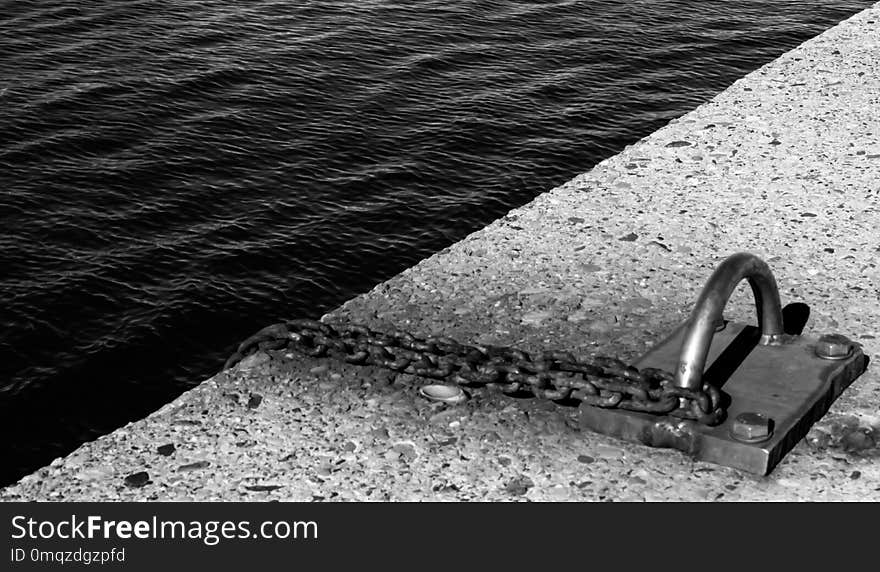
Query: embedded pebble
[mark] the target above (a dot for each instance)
(350, 446)
(535, 318)
(379, 433)
(138, 479)
(407, 450)
(165, 450)
(193, 466)
(262, 488)
(607, 452)
(94, 473)
(519, 486)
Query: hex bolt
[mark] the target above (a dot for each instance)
(751, 427)
(834, 347)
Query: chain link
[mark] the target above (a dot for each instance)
(599, 381)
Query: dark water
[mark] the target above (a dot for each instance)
(175, 175)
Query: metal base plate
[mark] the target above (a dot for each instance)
(788, 383)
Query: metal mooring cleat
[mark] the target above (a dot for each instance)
(762, 391)
(775, 384)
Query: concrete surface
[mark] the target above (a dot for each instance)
(784, 164)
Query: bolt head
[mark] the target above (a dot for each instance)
(751, 427)
(834, 347)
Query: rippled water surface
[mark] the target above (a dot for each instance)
(175, 175)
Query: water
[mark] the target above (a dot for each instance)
(175, 175)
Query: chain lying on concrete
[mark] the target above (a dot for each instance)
(599, 381)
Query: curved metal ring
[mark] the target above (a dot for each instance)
(710, 305)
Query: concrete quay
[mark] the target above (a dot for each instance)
(784, 164)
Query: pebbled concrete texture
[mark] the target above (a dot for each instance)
(784, 164)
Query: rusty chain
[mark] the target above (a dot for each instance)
(599, 381)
